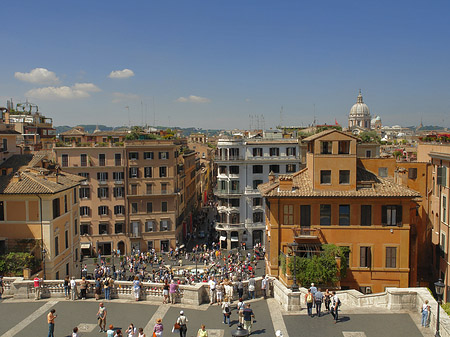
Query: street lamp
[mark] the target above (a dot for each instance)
(439, 287)
(294, 286)
(196, 270)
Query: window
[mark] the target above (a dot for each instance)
(444, 209)
(103, 228)
(66, 239)
(325, 176)
(257, 152)
(222, 169)
(163, 172)
(64, 160)
(291, 168)
(274, 151)
(256, 183)
(391, 215)
(117, 159)
(442, 244)
(65, 204)
(164, 188)
(133, 156)
(288, 214)
(85, 193)
(344, 147)
(368, 153)
(412, 173)
(383, 172)
(149, 246)
(5, 145)
(234, 202)
(257, 169)
(134, 172)
(148, 155)
(150, 226)
(163, 155)
(147, 172)
(234, 186)
(164, 206)
(103, 210)
(149, 207)
(56, 246)
(164, 225)
(119, 209)
(347, 255)
(102, 176)
(85, 211)
(2, 211)
(119, 192)
(75, 226)
(325, 215)
(84, 229)
(118, 176)
(83, 159)
(325, 147)
(256, 201)
(101, 159)
(344, 177)
(84, 175)
(118, 227)
(56, 209)
(134, 207)
(365, 257)
(305, 215)
(133, 189)
(75, 195)
(148, 188)
(344, 215)
(234, 169)
(291, 151)
(234, 218)
(391, 257)
(234, 153)
(258, 217)
(103, 192)
(366, 215)
(274, 168)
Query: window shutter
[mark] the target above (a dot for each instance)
(384, 215)
(440, 172)
(399, 215)
(362, 256)
(369, 257)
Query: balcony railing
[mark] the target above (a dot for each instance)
(219, 191)
(306, 233)
(227, 158)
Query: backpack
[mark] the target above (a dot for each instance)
(309, 298)
(227, 309)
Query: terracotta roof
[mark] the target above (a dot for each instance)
(9, 132)
(326, 132)
(16, 161)
(302, 186)
(73, 132)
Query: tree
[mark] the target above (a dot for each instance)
(14, 263)
(322, 268)
(369, 137)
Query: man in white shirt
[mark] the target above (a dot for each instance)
(212, 290)
(73, 288)
(336, 302)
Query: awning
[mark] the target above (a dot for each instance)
(85, 245)
(234, 239)
(223, 238)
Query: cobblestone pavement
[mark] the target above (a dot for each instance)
(28, 318)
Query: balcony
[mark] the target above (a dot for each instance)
(118, 182)
(229, 226)
(102, 182)
(220, 192)
(229, 158)
(306, 233)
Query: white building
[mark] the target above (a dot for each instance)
(242, 165)
(359, 116)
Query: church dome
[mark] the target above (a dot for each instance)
(360, 109)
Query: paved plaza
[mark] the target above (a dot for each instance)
(28, 318)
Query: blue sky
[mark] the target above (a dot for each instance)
(211, 64)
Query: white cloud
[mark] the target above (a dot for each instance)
(120, 97)
(193, 99)
(121, 73)
(38, 75)
(79, 90)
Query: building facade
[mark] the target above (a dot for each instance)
(359, 116)
(243, 164)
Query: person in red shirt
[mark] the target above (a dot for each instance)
(37, 288)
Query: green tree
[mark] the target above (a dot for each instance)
(14, 263)
(369, 137)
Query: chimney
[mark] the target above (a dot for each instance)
(16, 178)
(53, 177)
(271, 177)
(286, 182)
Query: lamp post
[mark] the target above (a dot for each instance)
(196, 270)
(439, 287)
(294, 286)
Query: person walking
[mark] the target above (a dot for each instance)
(107, 288)
(136, 288)
(313, 289)
(51, 322)
(318, 299)
(73, 288)
(67, 287)
(309, 299)
(202, 331)
(425, 312)
(75, 332)
(98, 288)
(141, 332)
(166, 289)
(251, 287)
(212, 290)
(226, 311)
(37, 282)
(110, 332)
(327, 298)
(182, 322)
(173, 292)
(336, 302)
(240, 288)
(101, 317)
(240, 308)
(265, 286)
(83, 287)
(248, 315)
(158, 328)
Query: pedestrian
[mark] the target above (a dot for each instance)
(240, 308)
(158, 328)
(37, 287)
(173, 292)
(251, 287)
(425, 312)
(327, 298)
(51, 322)
(131, 331)
(265, 286)
(101, 317)
(73, 288)
(1, 286)
(107, 288)
(136, 288)
(66, 287)
(313, 289)
(141, 333)
(219, 292)
(83, 287)
(248, 315)
(98, 288)
(202, 331)
(212, 290)
(318, 299)
(240, 288)
(75, 332)
(110, 332)
(226, 311)
(336, 302)
(182, 322)
(309, 299)
(118, 333)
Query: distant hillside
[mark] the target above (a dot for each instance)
(431, 127)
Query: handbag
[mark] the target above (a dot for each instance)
(176, 326)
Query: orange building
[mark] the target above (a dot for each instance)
(333, 200)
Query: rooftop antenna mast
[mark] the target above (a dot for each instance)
(281, 116)
(129, 121)
(154, 113)
(263, 124)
